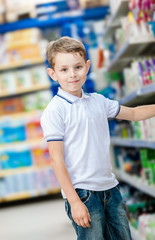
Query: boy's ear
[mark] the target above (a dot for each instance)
(88, 65)
(51, 73)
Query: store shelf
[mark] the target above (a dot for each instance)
(134, 47)
(140, 96)
(24, 90)
(26, 195)
(57, 19)
(129, 142)
(114, 20)
(135, 234)
(15, 171)
(135, 182)
(21, 115)
(28, 142)
(24, 63)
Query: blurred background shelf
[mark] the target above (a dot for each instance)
(117, 141)
(26, 195)
(28, 142)
(87, 14)
(134, 47)
(6, 172)
(143, 95)
(114, 21)
(136, 182)
(20, 64)
(23, 91)
(22, 115)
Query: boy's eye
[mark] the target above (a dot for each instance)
(78, 67)
(64, 69)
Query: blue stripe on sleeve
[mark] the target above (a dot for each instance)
(118, 110)
(52, 140)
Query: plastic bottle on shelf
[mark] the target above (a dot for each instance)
(153, 69)
(148, 72)
(141, 77)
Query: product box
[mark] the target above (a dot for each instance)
(92, 3)
(16, 9)
(27, 54)
(2, 9)
(33, 130)
(114, 5)
(15, 157)
(39, 76)
(40, 155)
(29, 102)
(23, 79)
(43, 98)
(11, 105)
(22, 38)
(11, 133)
(8, 82)
(3, 54)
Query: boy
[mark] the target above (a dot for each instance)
(76, 128)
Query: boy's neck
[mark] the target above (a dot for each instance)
(76, 94)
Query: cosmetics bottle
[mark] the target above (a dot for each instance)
(153, 69)
(148, 72)
(141, 76)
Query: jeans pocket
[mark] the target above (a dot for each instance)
(83, 194)
(118, 188)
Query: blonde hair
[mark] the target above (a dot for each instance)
(64, 45)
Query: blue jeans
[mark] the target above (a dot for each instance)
(108, 215)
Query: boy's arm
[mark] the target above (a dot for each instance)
(79, 211)
(136, 113)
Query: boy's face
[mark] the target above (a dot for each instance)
(70, 71)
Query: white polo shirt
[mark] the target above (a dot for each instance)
(82, 125)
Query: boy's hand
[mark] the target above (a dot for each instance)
(80, 214)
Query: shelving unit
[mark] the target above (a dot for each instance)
(15, 171)
(57, 19)
(140, 46)
(140, 96)
(114, 20)
(136, 182)
(28, 187)
(41, 188)
(134, 48)
(26, 63)
(26, 90)
(124, 142)
(27, 195)
(20, 115)
(28, 142)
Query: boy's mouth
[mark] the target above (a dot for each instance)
(74, 81)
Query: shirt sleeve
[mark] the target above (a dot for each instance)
(52, 125)
(112, 107)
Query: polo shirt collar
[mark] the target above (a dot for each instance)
(69, 97)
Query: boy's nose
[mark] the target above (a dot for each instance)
(72, 73)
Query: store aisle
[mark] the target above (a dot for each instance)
(45, 220)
